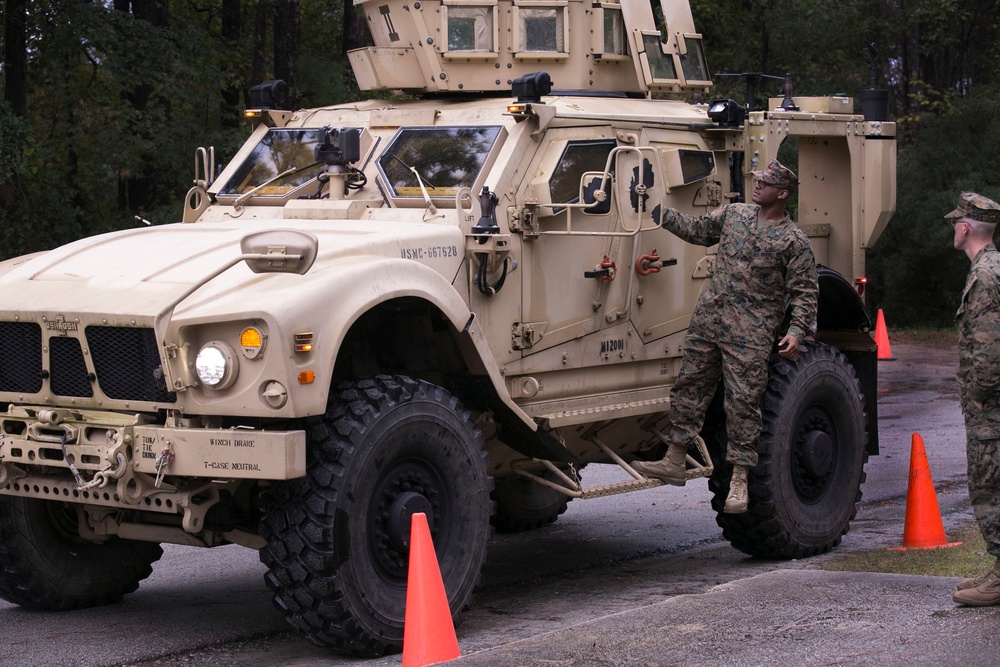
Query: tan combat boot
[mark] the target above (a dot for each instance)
(739, 497)
(984, 594)
(972, 582)
(671, 469)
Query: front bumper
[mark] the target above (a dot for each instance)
(111, 459)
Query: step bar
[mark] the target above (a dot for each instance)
(698, 465)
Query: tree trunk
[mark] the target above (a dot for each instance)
(355, 29)
(286, 42)
(231, 92)
(15, 56)
(259, 72)
(136, 194)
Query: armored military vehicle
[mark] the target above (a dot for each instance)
(448, 304)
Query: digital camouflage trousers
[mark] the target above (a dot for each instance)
(982, 428)
(743, 371)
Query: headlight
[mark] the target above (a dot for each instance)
(216, 365)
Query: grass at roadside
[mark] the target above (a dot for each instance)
(965, 560)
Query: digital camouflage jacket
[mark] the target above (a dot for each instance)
(979, 329)
(758, 265)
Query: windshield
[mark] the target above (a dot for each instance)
(446, 158)
(280, 150)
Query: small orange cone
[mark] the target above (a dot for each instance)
(923, 528)
(428, 631)
(882, 339)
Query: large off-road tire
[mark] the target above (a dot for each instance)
(45, 564)
(338, 539)
(805, 488)
(522, 504)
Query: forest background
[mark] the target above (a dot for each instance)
(105, 102)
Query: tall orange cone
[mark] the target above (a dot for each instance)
(923, 528)
(882, 339)
(428, 631)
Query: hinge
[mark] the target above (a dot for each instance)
(525, 219)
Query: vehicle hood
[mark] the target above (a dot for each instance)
(141, 272)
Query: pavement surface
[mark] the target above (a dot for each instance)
(785, 617)
(639, 579)
(796, 615)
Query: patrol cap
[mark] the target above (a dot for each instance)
(975, 207)
(778, 175)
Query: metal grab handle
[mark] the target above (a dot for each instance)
(54, 433)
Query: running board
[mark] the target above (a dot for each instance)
(571, 485)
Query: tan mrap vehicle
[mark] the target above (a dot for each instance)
(446, 305)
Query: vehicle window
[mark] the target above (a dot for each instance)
(693, 64)
(446, 158)
(542, 29)
(661, 65)
(577, 158)
(470, 29)
(280, 150)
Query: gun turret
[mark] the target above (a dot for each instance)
(462, 46)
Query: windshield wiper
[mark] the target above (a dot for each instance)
(427, 198)
(238, 204)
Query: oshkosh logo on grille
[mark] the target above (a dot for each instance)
(61, 325)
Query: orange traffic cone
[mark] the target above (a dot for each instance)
(428, 631)
(882, 339)
(923, 528)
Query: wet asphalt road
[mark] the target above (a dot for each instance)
(603, 557)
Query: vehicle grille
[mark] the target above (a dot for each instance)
(126, 361)
(128, 364)
(20, 357)
(69, 376)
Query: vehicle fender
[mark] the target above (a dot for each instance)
(385, 279)
(843, 321)
(840, 306)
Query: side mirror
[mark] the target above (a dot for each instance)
(279, 251)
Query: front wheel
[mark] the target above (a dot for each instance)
(807, 483)
(338, 539)
(46, 564)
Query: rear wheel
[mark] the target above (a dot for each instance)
(45, 564)
(526, 505)
(805, 488)
(338, 539)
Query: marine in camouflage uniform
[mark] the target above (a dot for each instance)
(978, 318)
(760, 264)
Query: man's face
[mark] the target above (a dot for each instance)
(765, 193)
(961, 233)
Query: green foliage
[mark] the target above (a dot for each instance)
(818, 42)
(937, 58)
(118, 106)
(916, 274)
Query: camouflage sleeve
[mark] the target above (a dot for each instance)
(983, 306)
(802, 288)
(703, 230)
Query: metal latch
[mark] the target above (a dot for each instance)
(526, 334)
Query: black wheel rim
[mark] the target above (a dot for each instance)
(814, 454)
(406, 487)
